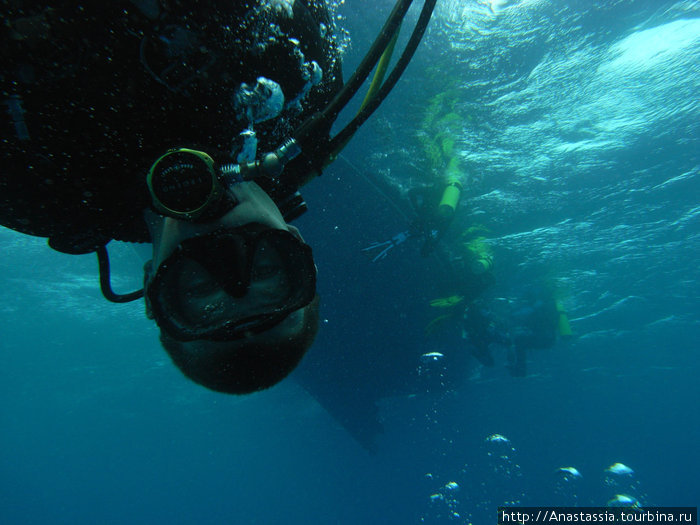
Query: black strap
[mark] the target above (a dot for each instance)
(106, 287)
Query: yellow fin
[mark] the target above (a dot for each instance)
(446, 302)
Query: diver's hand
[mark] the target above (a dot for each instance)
(387, 245)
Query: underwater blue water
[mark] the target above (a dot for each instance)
(580, 141)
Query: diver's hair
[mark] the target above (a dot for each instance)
(245, 365)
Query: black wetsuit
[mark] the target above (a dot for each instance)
(428, 225)
(481, 330)
(533, 326)
(92, 93)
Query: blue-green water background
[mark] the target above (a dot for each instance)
(580, 137)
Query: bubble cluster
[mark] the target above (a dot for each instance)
(473, 491)
(478, 488)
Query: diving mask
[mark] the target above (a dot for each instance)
(228, 284)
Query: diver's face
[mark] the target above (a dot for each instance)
(231, 272)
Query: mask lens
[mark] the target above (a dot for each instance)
(268, 273)
(223, 285)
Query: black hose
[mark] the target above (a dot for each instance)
(106, 287)
(371, 58)
(350, 88)
(347, 132)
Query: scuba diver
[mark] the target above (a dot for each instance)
(537, 321)
(480, 330)
(534, 320)
(191, 126)
(531, 318)
(434, 208)
(471, 274)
